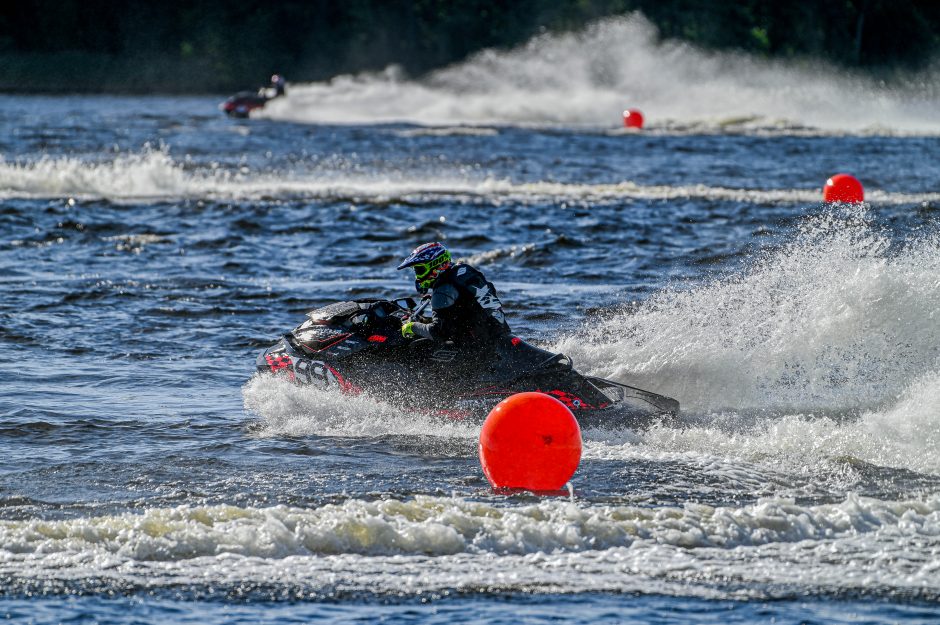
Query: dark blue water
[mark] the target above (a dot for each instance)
(549, 608)
(150, 248)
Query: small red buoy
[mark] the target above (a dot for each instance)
(530, 441)
(632, 118)
(843, 188)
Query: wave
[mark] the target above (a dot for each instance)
(434, 526)
(153, 175)
(589, 77)
(449, 131)
(827, 346)
(427, 545)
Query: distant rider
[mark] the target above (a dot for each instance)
(277, 89)
(279, 85)
(464, 306)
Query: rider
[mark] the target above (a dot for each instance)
(279, 85)
(464, 306)
(276, 89)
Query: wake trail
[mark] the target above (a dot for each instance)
(589, 77)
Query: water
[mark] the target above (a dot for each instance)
(151, 248)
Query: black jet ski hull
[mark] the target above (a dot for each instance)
(242, 104)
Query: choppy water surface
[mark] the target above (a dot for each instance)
(150, 248)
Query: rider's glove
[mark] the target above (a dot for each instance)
(406, 330)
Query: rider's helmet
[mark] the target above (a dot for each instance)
(429, 261)
(276, 78)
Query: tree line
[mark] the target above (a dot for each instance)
(213, 46)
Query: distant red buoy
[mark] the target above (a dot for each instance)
(632, 118)
(843, 188)
(530, 441)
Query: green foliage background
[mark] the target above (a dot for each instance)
(212, 46)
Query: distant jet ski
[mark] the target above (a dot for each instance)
(243, 103)
(357, 347)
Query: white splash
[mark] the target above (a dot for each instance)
(293, 410)
(827, 347)
(835, 320)
(589, 77)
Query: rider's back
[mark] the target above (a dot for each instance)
(468, 307)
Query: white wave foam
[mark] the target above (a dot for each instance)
(151, 173)
(591, 76)
(406, 547)
(513, 251)
(155, 175)
(449, 131)
(290, 409)
(440, 526)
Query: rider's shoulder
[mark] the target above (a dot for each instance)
(443, 295)
(462, 272)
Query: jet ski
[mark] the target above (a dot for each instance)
(243, 103)
(356, 347)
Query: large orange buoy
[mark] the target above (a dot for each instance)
(531, 441)
(632, 118)
(843, 188)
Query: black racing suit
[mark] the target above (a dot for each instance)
(466, 310)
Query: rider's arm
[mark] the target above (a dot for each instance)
(440, 328)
